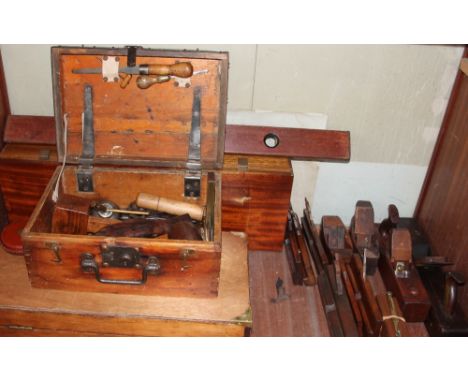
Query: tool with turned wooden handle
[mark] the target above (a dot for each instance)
(180, 69)
(170, 206)
(144, 82)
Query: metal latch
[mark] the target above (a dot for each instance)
(120, 257)
(84, 172)
(192, 180)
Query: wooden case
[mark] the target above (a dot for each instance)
(141, 144)
(255, 199)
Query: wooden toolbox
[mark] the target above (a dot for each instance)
(118, 139)
(26, 311)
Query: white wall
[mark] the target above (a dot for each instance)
(392, 98)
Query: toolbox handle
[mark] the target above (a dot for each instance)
(89, 264)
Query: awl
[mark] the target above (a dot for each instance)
(181, 69)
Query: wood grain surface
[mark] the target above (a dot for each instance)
(39, 130)
(22, 184)
(244, 140)
(151, 125)
(24, 309)
(442, 210)
(197, 274)
(415, 329)
(301, 315)
(301, 144)
(256, 200)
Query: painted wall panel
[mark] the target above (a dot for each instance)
(391, 97)
(339, 186)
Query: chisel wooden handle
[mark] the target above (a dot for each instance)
(181, 69)
(169, 206)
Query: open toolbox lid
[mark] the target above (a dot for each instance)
(134, 126)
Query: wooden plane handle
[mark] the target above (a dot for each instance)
(170, 206)
(181, 69)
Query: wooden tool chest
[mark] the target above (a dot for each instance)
(118, 141)
(27, 311)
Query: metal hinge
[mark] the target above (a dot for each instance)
(192, 180)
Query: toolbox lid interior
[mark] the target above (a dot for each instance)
(133, 126)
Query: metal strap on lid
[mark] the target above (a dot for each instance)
(194, 143)
(87, 154)
(84, 173)
(193, 176)
(131, 55)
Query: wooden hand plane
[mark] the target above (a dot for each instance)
(398, 271)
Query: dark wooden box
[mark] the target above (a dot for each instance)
(141, 144)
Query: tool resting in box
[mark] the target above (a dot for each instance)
(123, 144)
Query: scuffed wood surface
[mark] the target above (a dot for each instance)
(20, 304)
(301, 315)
